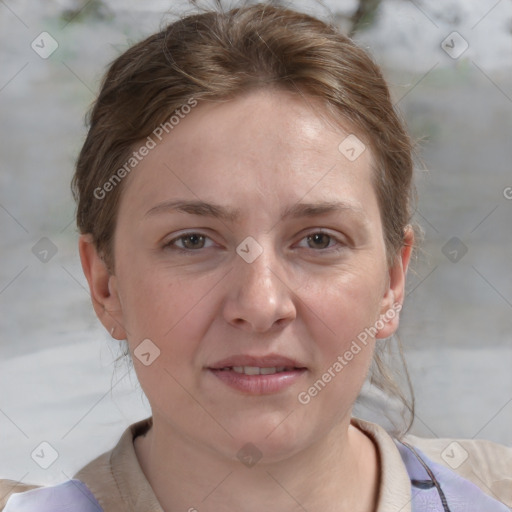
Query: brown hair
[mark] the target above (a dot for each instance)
(217, 55)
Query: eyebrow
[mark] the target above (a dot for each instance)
(321, 208)
(194, 208)
(220, 212)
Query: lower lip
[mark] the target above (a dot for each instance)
(258, 384)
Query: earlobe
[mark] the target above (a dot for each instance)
(104, 294)
(395, 293)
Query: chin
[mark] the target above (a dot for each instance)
(269, 439)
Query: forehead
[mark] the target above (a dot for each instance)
(268, 143)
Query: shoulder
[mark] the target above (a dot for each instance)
(486, 464)
(10, 487)
(111, 482)
(69, 495)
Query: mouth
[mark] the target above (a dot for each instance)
(258, 376)
(242, 362)
(257, 370)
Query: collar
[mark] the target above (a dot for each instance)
(119, 484)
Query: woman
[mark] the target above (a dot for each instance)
(244, 202)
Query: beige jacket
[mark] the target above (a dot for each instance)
(118, 483)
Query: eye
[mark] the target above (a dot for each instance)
(189, 242)
(321, 240)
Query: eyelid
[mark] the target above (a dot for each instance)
(338, 239)
(171, 242)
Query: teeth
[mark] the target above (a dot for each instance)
(249, 370)
(255, 370)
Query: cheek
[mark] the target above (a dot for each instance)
(345, 309)
(165, 307)
(165, 311)
(147, 301)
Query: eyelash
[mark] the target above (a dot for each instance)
(170, 245)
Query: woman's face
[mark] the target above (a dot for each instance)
(275, 250)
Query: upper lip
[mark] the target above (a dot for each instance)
(269, 361)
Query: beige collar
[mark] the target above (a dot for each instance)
(395, 485)
(119, 484)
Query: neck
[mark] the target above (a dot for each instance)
(338, 473)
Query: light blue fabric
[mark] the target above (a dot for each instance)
(439, 489)
(70, 496)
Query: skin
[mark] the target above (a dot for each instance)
(306, 299)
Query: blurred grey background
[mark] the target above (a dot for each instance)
(449, 66)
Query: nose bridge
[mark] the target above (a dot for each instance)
(258, 277)
(258, 297)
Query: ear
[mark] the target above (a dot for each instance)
(395, 293)
(102, 284)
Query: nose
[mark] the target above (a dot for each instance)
(258, 298)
